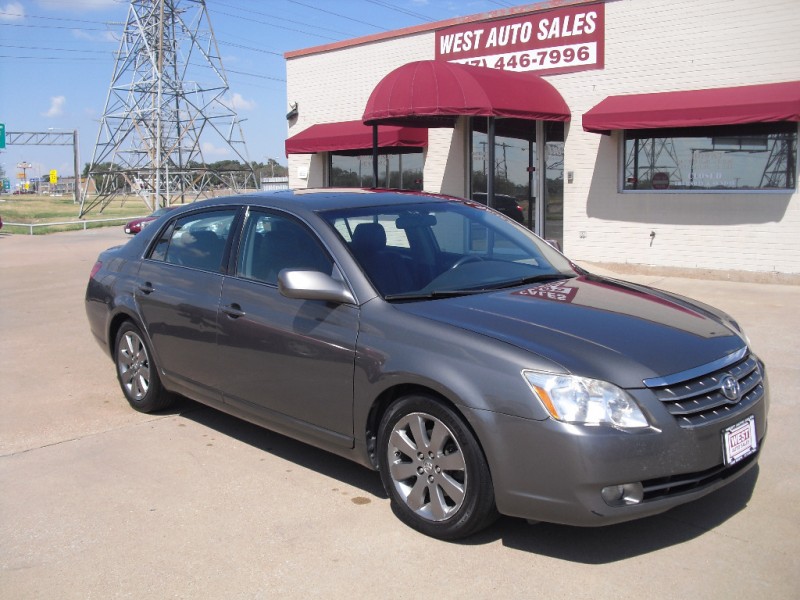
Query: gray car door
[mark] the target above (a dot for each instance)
(178, 297)
(286, 360)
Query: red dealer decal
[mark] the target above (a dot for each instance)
(555, 41)
(557, 292)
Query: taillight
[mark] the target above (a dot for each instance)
(97, 266)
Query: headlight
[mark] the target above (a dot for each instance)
(574, 399)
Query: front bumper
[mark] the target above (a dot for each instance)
(554, 472)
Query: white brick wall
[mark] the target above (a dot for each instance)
(651, 46)
(659, 46)
(335, 86)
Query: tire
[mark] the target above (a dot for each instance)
(434, 470)
(137, 372)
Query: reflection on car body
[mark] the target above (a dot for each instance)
(470, 363)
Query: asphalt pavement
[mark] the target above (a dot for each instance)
(98, 501)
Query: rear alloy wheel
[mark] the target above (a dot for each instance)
(434, 470)
(137, 373)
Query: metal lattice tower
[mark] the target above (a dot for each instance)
(167, 97)
(779, 171)
(653, 149)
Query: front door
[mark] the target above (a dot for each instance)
(287, 361)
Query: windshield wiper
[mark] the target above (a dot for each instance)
(533, 279)
(432, 295)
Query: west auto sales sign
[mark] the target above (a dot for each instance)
(555, 41)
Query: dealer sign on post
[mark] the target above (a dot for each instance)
(561, 40)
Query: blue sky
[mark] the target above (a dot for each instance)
(57, 58)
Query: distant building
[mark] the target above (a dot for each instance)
(274, 183)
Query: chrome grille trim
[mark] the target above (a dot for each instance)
(700, 401)
(716, 365)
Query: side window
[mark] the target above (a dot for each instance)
(196, 240)
(271, 243)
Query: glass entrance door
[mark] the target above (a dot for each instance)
(553, 188)
(520, 192)
(514, 172)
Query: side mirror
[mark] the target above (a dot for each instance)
(313, 285)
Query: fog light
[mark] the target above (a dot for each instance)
(623, 494)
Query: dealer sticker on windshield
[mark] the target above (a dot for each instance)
(739, 441)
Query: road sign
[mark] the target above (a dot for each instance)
(2, 135)
(53, 176)
(6, 184)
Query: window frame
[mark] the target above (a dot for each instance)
(168, 231)
(686, 132)
(363, 156)
(239, 250)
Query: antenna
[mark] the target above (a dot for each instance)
(166, 106)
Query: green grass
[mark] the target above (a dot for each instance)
(35, 209)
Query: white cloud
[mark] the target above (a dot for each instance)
(13, 11)
(103, 36)
(56, 107)
(210, 150)
(83, 5)
(238, 102)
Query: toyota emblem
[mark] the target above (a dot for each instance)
(730, 388)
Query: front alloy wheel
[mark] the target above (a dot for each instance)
(434, 470)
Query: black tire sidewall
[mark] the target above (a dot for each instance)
(478, 509)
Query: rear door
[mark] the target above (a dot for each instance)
(178, 296)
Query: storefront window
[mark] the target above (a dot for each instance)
(743, 157)
(398, 171)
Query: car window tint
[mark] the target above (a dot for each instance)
(196, 240)
(271, 243)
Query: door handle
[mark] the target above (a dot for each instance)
(234, 311)
(147, 288)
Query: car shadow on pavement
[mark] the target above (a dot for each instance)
(294, 451)
(604, 545)
(587, 545)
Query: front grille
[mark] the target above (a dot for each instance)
(700, 401)
(664, 487)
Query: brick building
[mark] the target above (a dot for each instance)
(649, 132)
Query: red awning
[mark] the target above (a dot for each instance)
(353, 135)
(697, 108)
(433, 93)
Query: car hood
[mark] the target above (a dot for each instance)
(594, 327)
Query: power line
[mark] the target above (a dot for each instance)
(251, 20)
(54, 49)
(281, 18)
(51, 27)
(60, 19)
(48, 58)
(403, 11)
(335, 14)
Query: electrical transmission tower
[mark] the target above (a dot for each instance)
(166, 102)
(651, 151)
(779, 170)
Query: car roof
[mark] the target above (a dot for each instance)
(321, 199)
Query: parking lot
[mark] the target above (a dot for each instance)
(98, 501)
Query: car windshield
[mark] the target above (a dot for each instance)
(428, 250)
